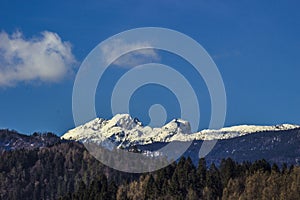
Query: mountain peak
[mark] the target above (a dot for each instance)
(122, 120)
(180, 124)
(123, 130)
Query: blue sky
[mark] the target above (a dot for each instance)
(255, 44)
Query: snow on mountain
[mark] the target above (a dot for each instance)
(236, 131)
(124, 131)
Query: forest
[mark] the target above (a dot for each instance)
(67, 171)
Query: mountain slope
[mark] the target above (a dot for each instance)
(281, 144)
(12, 140)
(124, 131)
(274, 146)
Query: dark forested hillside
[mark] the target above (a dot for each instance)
(45, 167)
(67, 171)
(12, 140)
(50, 172)
(183, 180)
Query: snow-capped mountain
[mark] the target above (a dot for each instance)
(237, 131)
(124, 131)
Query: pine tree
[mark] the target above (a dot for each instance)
(112, 190)
(152, 190)
(227, 170)
(201, 176)
(275, 168)
(214, 183)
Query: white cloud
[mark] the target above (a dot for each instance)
(45, 58)
(141, 54)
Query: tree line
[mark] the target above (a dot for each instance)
(67, 171)
(183, 180)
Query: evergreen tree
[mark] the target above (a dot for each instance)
(151, 189)
(214, 183)
(275, 168)
(201, 176)
(227, 170)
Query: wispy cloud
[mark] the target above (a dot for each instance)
(45, 58)
(141, 54)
